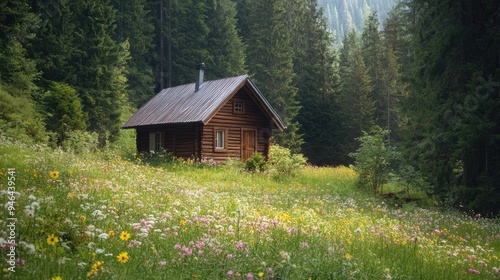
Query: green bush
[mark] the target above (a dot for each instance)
(373, 159)
(257, 162)
(284, 163)
(81, 142)
(63, 110)
(19, 118)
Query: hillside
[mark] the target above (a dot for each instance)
(104, 216)
(343, 15)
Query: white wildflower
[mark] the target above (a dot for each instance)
(103, 236)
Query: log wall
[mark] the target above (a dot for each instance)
(234, 123)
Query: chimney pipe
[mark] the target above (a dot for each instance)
(200, 71)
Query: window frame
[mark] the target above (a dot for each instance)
(242, 110)
(224, 147)
(155, 141)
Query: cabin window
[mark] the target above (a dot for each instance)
(220, 140)
(239, 107)
(155, 141)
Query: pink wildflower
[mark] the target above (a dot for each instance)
(186, 251)
(200, 244)
(230, 273)
(249, 276)
(473, 271)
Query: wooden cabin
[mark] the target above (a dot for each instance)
(213, 119)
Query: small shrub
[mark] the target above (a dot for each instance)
(284, 163)
(80, 142)
(257, 162)
(373, 159)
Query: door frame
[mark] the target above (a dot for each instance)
(255, 149)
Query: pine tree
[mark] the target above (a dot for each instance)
(134, 24)
(356, 103)
(270, 62)
(19, 117)
(17, 27)
(224, 44)
(185, 32)
(100, 67)
(316, 80)
(54, 46)
(453, 108)
(384, 71)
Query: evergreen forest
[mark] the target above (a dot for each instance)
(426, 77)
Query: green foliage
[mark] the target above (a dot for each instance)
(453, 104)
(63, 109)
(81, 142)
(270, 62)
(17, 27)
(373, 159)
(283, 163)
(316, 67)
(19, 119)
(410, 178)
(225, 46)
(134, 23)
(384, 71)
(257, 162)
(357, 105)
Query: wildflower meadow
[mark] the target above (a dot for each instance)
(107, 215)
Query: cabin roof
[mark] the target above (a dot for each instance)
(182, 104)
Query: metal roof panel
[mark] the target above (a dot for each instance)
(181, 104)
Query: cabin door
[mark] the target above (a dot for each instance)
(249, 144)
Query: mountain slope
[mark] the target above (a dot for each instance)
(343, 15)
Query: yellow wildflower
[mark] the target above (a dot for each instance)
(124, 235)
(52, 239)
(122, 257)
(348, 256)
(54, 175)
(95, 268)
(56, 278)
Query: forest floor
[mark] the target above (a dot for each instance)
(106, 216)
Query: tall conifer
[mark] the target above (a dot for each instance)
(270, 62)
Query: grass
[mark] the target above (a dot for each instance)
(120, 218)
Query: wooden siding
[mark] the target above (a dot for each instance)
(180, 140)
(235, 123)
